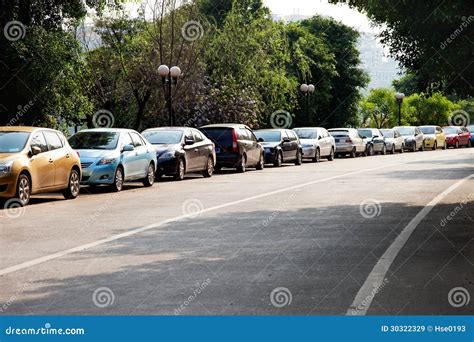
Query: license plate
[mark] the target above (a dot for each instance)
(336, 140)
(218, 150)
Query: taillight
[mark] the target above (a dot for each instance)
(349, 141)
(235, 146)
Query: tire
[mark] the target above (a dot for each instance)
(445, 145)
(317, 156)
(353, 153)
(435, 146)
(23, 190)
(150, 176)
(331, 156)
(384, 150)
(180, 170)
(414, 148)
(242, 166)
(261, 162)
(457, 144)
(278, 160)
(299, 158)
(469, 143)
(392, 151)
(422, 148)
(402, 149)
(74, 185)
(209, 170)
(370, 150)
(117, 186)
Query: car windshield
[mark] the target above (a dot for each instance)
(163, 137)
(365, 133)
(306, 133)
(471, 128)
(387, 133)
(94, 141)
(428, 130)
(450, 130)
(406, 130)
(13, 142)
(268, 136)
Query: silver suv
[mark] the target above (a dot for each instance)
(348, 141)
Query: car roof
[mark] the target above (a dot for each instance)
(272, 130)
(28, 129)
(434, 126)
(113, 130)
(309, 128)
(342, 129)
(170, 128)
(230, 125)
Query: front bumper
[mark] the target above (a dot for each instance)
(98, 174)
(309, 151)
(451, 142)
(409, 144)
(8, 185)
(167, 166)
(429, 143)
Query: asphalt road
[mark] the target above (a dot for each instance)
(353, 236)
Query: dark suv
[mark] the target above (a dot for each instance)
(236, 146)
(281, 146)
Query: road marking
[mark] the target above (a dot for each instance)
(66, 252)
(376, 278)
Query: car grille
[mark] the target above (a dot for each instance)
(85, 165)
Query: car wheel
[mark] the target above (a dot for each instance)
(445, 146)
(180, 170)
(261, 162)
(23, 190)
(299, 158)
(209, 171)
(370, 150)
(422, 148)
(117, 186)
(74, 186)
(317, 156)
(392, 151)
(331, 156)
(457, 144)
(384, 150)
(278, 160)
(242, 164)
(402, 149)
(353, 153)
(435, 146)
(150, 176)
(414, 148)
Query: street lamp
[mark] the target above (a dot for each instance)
(399, 97)
(169, 76)
(307, 90)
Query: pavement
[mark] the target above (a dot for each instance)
(382, 235)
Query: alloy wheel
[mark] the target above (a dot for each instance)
(24, 190)
(74, 184)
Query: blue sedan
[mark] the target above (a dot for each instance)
(111, 156)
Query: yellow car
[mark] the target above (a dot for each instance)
(434, 137)
(36, 160)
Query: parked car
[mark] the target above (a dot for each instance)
(236, 146)
(348, 141)
(317, 143)
(36, 160)
(471, 131)
(374, 140)
(280, 146)
(394, 140)
(414, 138)
(112, 156)
(434, 137)
(181, 150)
(457, 136)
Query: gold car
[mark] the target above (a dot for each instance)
(434, 137)
(36, 160)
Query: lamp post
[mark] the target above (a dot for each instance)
(399, 97)
(169, 76)
(307, 90)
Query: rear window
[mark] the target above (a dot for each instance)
(339, 133)
(388, 133)
(218, 134)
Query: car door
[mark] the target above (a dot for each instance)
(204, 149)
(129, 158)
(191, 151)
(294, 143)
(419, 138)
(440, 139)
(61, 157)
(377, 140)
(254, 150)
(324, 142)
(141, 152)
(42, 164)
(286, 146)
(464, 137)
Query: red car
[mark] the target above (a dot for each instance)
(457, 136)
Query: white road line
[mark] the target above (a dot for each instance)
(57, 255)
(376, 278)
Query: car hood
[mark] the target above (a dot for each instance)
(92, 155)
(451, 135)
(7, 157)
(408, 137)
(432, 136)
(308, 141)
(163, 148)
(270, 143)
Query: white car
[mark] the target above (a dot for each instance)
(348, 141)
(394, 140)
(316, 142)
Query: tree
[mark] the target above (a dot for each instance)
(379, 109)
(432, 39)
(430, 110)
(407, 84)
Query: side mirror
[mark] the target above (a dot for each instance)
(320, 137)
(376, 137)
(189, 142)
(128, 148)
(286, 140)
(261, 140)
(35, 150)
(363, 137)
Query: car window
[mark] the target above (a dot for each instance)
(250, 135)
(53, 140)
(38, 140)
(126, 140)
(292, 135)
(198, 136)
(137, 141)
(188, 135)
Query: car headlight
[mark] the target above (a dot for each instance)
(168, 155)
(107, 161)
(6, 168)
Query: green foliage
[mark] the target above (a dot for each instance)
(434, 109)
(407, 84)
